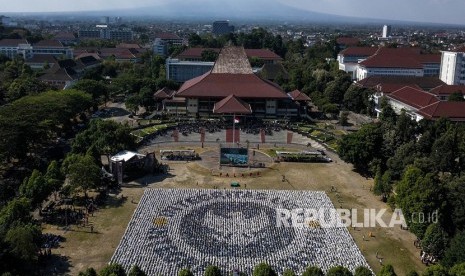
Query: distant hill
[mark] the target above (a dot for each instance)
(242, 9)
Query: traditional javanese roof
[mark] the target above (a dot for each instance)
(232, 105)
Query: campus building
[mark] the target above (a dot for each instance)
(188, 64)
(453, 67)
(232, 74)
(21, 47)
(222, 27)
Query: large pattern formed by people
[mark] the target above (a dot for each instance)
(173, 229)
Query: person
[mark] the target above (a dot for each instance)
(92, 229)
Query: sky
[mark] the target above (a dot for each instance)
(434, 11)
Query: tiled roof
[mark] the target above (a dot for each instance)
(413, 97)
(128, 45)
(296, 95)
(388, 61)
(425, 83)
(167, 36)
(49, 43)
(232, 60)
(388, 88)
(119, 53)
(455, 111)
(196, 53)
(349, 41)
(65, 35)
(232, 104)
(429, 58)
(41, 59)
(271, 71)
(359, 51)
(448, 89)
(262, 54)
(12, 42)
(223, 85)
(231, 75)
(163, 93)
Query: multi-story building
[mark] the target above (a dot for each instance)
(163, 41)
(104, 32)
(52, 47)
(350, 57)
(386, 31)
(232, 77)
(399, 62)
(189, 64)
(453, 67)
(222, 27)
(16, 47)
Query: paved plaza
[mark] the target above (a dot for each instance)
(173, 229)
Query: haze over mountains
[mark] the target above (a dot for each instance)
(262, 10)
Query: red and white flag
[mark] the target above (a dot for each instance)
(236, 120)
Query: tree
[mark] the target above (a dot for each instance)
(457, 270)
(24, 241)
(18, 211)
(113, 269)
(436, 270)
(25, 86)
(418, 193)
(456, 201)
(84, 174)
(88, 272)
(456, 252)
(35, 188)
(412, 273)
(363, 271)
(435, 240)
(362, 147)
(344, 118)
(97, 89)
(387, 270)
(209, 55)
(289, 272)
(136, 271)
(185, 272)
(132, 103)
(107, 137)
(313, 271)
(338, 271)
(263, 269)
(456, 97)
(357, 99)
(212, 270)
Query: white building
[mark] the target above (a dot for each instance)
(386, 31)
(350, 57)
(453, 67)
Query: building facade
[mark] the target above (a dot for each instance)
(222, 27)
(453, 67)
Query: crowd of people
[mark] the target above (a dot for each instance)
(232, 229)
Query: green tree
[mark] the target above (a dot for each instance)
(357, 99)
(209, 55)
(435, 240)
(457, 270)
(412, 273)
(289, 272)
(107, 137)
(136, 271)
(363, 271)
(362, 147)
(313, 271)
(112, 269)
(387, 270)
(212, 270)
(436, 270)
(344, 118)
(338, 271)
(263, 269)
(24, 242)
(185, 272)
(84, 174)
(25, 86)
(35, 188)
(456, 97)
(18, 211)
(97, 89)
(88, 272)
(418, 193)
(455, 253)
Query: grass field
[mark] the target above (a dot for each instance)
(83, 249)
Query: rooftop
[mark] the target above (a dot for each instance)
(49, 43)
(413, 97)
(359, 51)
(231, 104)
(296, 95)
(448, 89)
(349, 41)
(455, 111)
(232, 60)
(12, 42)
(425, 83)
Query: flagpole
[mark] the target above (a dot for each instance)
(234, 128)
